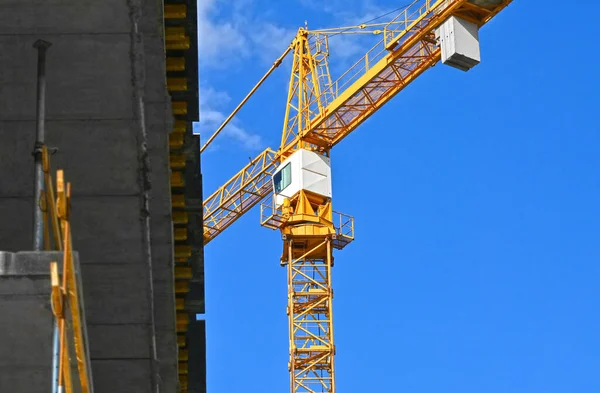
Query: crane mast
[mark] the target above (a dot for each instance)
(295, 180)
(309, 237)
(301, 210)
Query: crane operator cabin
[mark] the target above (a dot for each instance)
(303, 170)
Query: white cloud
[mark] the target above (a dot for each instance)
(249, 140)
(347, 12)
(272, 41)
(342, 47)
(219, 41)
(212, 115)
(213, 98)
(228, 38)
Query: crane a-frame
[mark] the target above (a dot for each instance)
(320, 113)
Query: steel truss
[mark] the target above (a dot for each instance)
(312, 349)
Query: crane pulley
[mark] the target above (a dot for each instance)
(321, 112)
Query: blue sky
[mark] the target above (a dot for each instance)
(477, 203)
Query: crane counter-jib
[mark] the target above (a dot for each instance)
(408, 48)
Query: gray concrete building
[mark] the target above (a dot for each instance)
(122, 94)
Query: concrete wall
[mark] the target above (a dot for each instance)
(26, 356)
(108, 113)
(26, 350)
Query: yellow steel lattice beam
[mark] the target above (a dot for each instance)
(240, 194)
(310, 315)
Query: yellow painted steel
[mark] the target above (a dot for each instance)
(239, 194)
(305, 99)
(50, 203)
(310, 314)
(69, 280)
(64, 296)
(320, 114)
(276, 64)
(306, 222)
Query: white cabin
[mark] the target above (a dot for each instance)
(303, 170)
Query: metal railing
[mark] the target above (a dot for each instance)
(271, 216)
(401, 26)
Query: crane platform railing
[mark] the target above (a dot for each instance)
(272, 217)
(402, 25)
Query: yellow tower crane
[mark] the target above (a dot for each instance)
(295, 180)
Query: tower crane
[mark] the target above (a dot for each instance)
(294, 181)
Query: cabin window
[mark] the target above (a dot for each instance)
(283, 178)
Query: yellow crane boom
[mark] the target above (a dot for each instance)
(335, 109)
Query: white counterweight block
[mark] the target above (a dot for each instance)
(460, 43)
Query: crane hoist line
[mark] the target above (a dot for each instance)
(294, 181)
